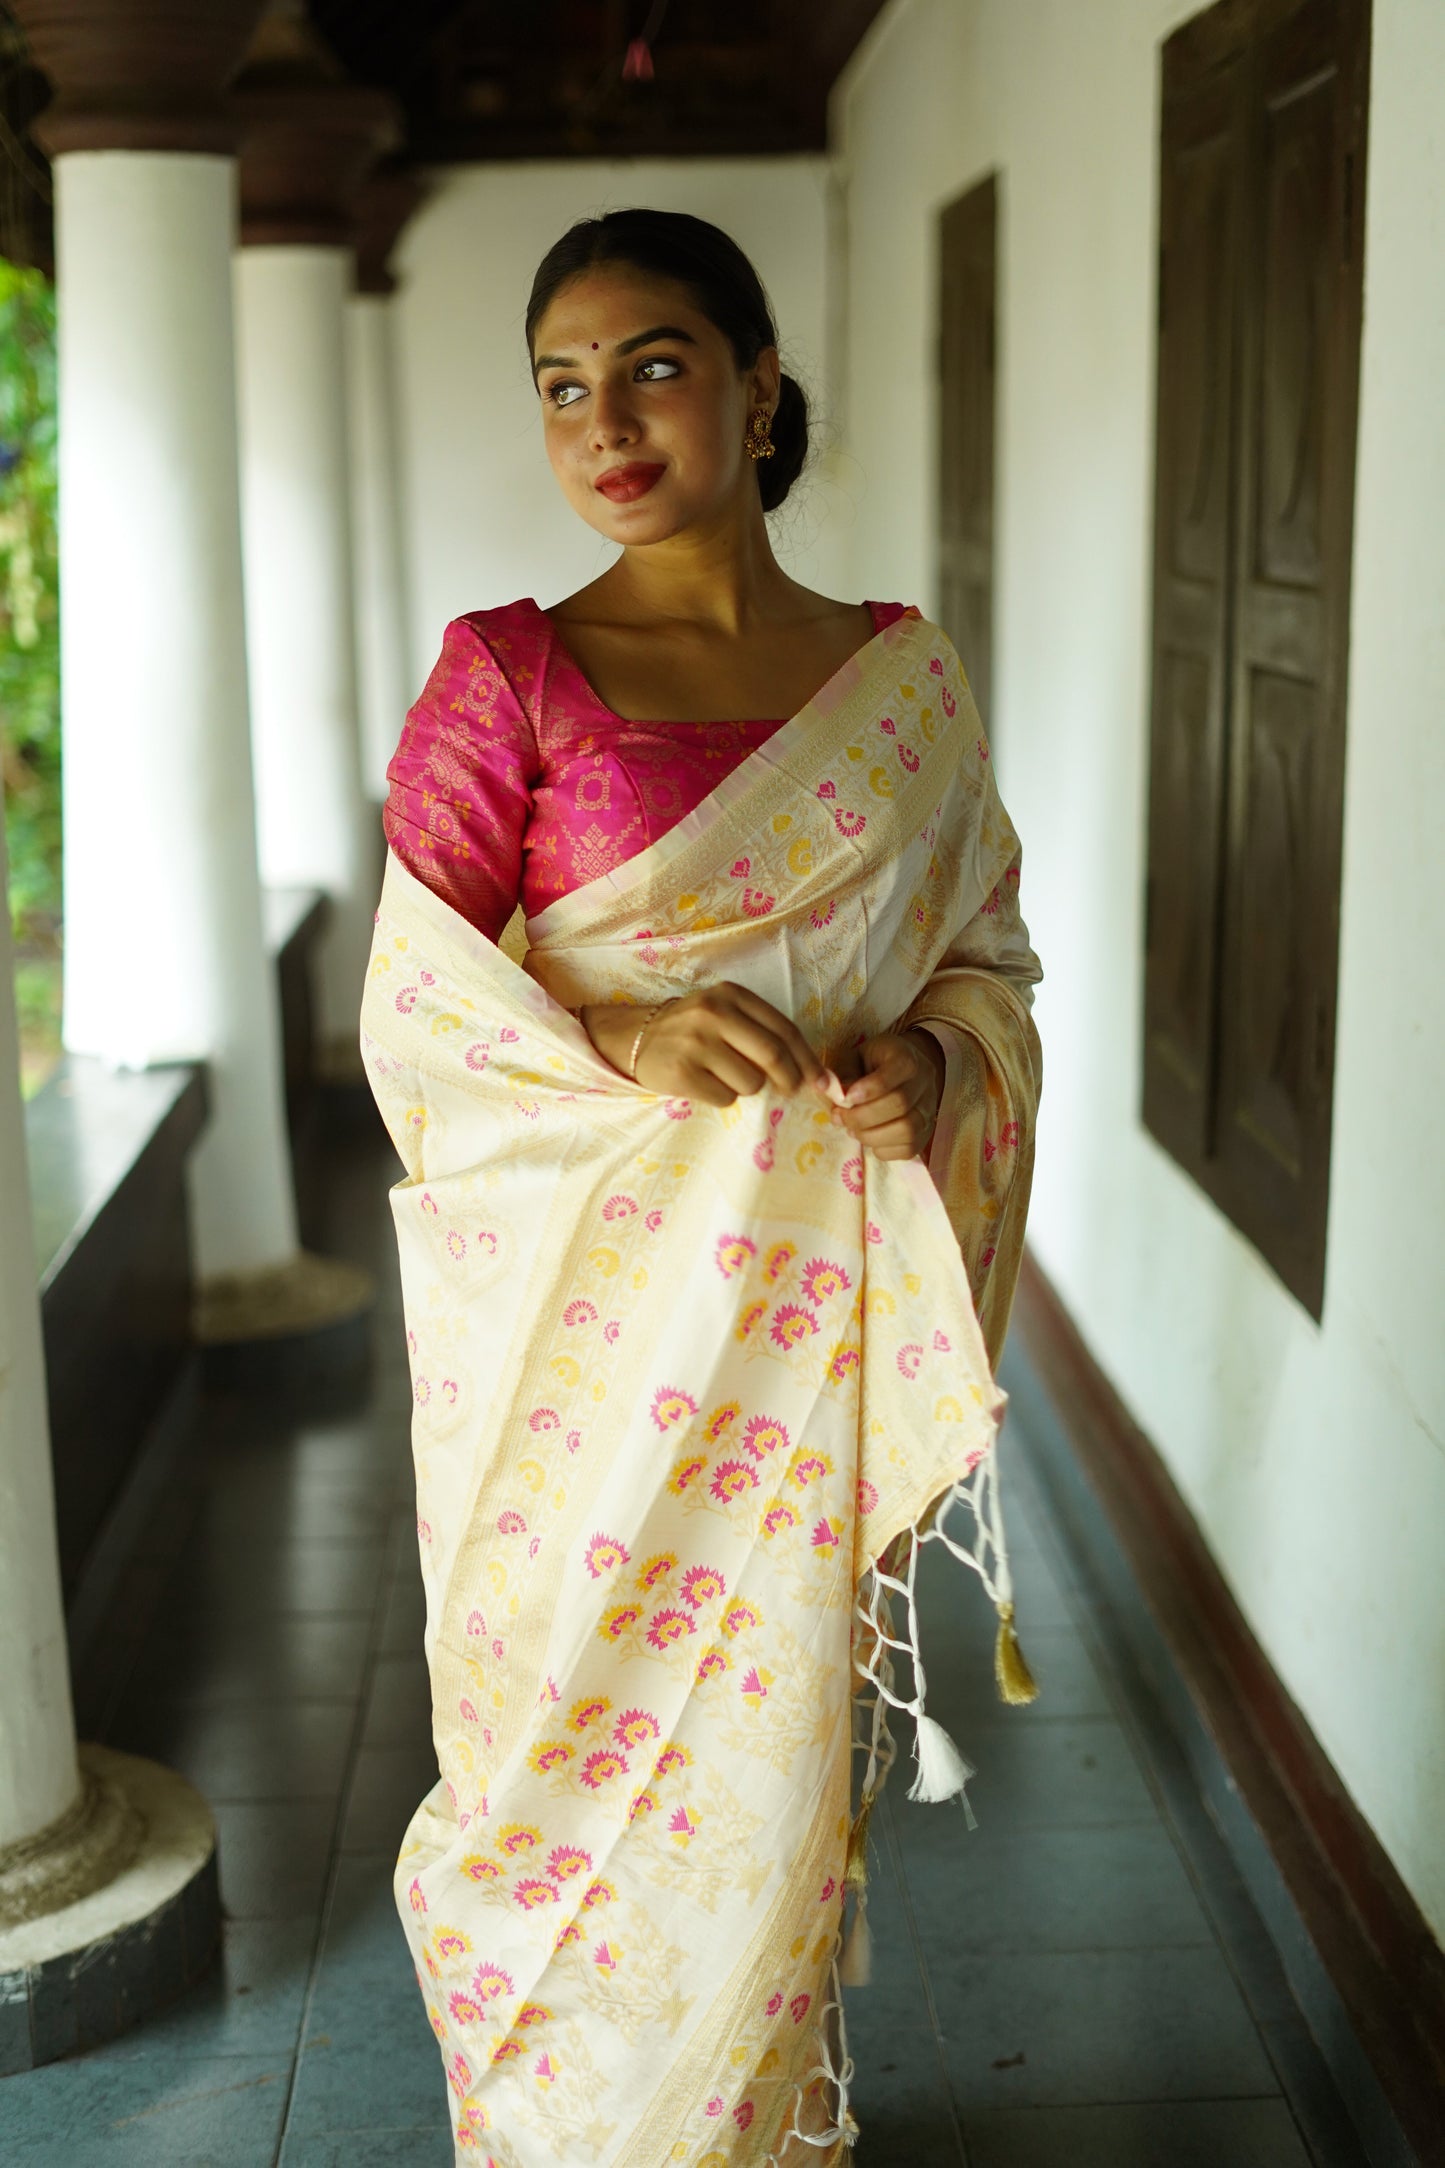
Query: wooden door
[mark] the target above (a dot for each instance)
(967, 310)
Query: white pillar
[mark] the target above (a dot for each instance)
(382, 647)
(165, 957)
(315, 826)
(39, 1776)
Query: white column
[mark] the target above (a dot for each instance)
(39, 1776)
(382, 647)
(315, 826)
(165, 957)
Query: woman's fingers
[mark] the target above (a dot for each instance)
(783, 1031)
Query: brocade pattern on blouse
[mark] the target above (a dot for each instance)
(513, 780)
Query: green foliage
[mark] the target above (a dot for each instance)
(29, 604)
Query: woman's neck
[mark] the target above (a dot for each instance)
(722, 577)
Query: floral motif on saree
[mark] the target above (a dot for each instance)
(691, 1387)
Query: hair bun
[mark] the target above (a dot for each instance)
(777, 475)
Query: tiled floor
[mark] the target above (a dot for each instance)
(1077, 1984)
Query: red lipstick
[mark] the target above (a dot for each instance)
(624, 485)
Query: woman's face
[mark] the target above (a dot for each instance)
(644, 407)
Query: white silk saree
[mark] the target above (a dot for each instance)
(691, 1385)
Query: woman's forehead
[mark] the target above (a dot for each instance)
(613, 303)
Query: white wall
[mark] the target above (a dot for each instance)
(485, 520)
(1313, 1456)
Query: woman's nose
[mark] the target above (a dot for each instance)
(613, 418)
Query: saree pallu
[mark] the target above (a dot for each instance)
(691, 1385)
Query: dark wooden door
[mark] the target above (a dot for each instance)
(1261, 180)
(1199, 251)
(967, 309)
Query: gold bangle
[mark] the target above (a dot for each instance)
(647, 1023)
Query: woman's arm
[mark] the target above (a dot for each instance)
(715, 1046)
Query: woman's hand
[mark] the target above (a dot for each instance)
(715, 1046)
(892, 1106)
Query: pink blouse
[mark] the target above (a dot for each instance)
(514, 781)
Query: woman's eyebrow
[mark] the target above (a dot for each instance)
(624, 346)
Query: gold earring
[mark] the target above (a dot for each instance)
(759, 439)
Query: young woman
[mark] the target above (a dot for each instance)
(712, 1215)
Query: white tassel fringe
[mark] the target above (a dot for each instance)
(942, 1771)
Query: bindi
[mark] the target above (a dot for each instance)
(594, 346)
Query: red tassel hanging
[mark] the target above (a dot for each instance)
(637, 62)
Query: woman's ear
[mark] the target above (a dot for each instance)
(764, 379)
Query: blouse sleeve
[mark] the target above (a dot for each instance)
(461, 783)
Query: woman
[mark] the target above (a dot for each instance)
(695, 1357)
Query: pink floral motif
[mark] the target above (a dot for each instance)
(741, 868)
(518, 1837)
(682, 1827)
(491, 1984)
(620, 1621)
(750, 1320)
(852, 1173)
(652, 1222)
(656, 1569)
(942, 1343)
(507, 1036)
(780, 1256)
(610, 1331)
(477, 1869)
(909, 1358)
(849, 824)
(544, 1419)
(579, 1313)
(755, 1686)
(511, 1523)
(574, 1441)
(733, 1252)
(764, 1155)
(873, 1232)
(642, 1803)
(600, 1892)
(459, 2074)
(732, 1479)
(702, 1584)
(604, 1554)
(827, 790)
(763, 1436)
(416, 1897)
(791, 1324)
(677, 1110)
(619, 1207)
(757, 903)
(456, 1243)
(720, 1420)
(950, 705)
(671, 1758)
(828, 1890)
(600, 1768)
(743, 2114)
(886, 723)
(799, 2007)
(819, 919)
(842, 1362)
(822, 1279)
(635, 1727)
(780, 1516)
(606, 1957)
(935, 666)
(867, 1496)
(827, 1534)
(465, 2008)
(686, 1473)
(775, 2004)
(565, 1861)
(739, 1616)
(406, 1000)
(715, 2105)
(451, 1942)
(671, 1406)
(667, 1626)
(588, 1711)
(477, 1057)
(467, 1710)
(909, 758)
(712, 1664)
(806, 1468)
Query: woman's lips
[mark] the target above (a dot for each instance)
(623, 485)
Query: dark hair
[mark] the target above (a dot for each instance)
(723, 285)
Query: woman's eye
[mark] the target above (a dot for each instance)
(564, 394)
(660, 363)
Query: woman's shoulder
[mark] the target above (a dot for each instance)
(889, 613)
(502, 651)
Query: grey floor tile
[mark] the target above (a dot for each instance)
(430, 2148)
(281, 1506)
(294, 1580)
(388, 1785)
(246, 1750)
(1115, 1888)
(274, 1856)
(1041, 1772)
(900, 2089)
(1093, 2028)
(185, 2112)
(403, 1617)
(273, 1659)
(250, 2003)
(1193, 2134)
(365, 1995)
(398, 1709)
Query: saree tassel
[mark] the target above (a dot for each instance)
(855, 1965)
(1016, 1683)
(942, 1771)
(855, 1874)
